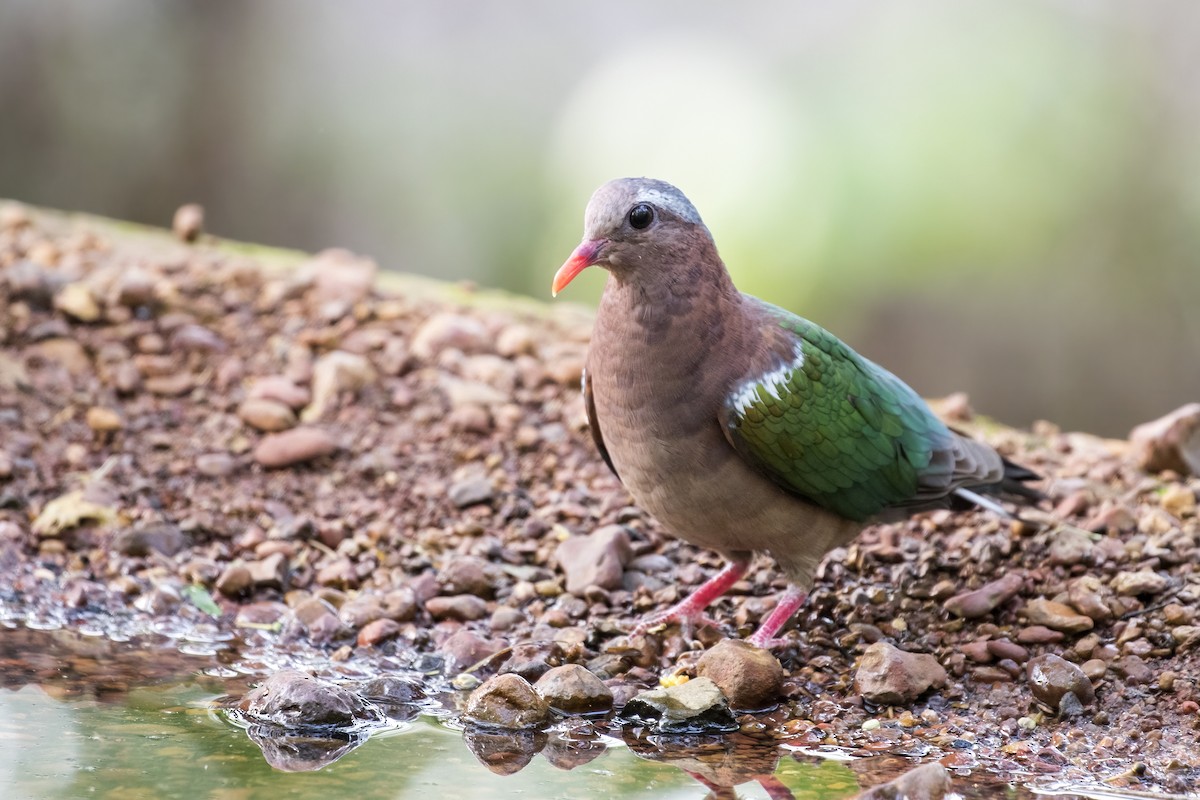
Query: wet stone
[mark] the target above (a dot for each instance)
(887, 675)
(750, 677)
(572, 689)
(507, 701)
(235, 580)
(532, 660)
(696, 706)
(379, 630)
(1052, 677)
(464, 649)
(294, 699)
(926, 782)
(141, 540)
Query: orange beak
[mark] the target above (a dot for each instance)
(587, 254)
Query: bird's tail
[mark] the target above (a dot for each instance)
(1011, 486)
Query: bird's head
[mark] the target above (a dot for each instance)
(635, 228)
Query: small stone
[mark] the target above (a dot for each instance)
(986, 598)
(103, 420)
(1039, 634)
(1070, 545)
(1002, 649)
(1133, 669)
(235, 580)
(269, 572)
(378, 631)
(173, 385)
(1186, 637)
(466, 648)
(887, 675)
(1171, 442)
(318, 619)
(462, 607)
(141, 540)
(77, 301)
(598, 559)
(340, 280)
(927, 782)
(507, 701)
(294, 700)
(335, 374)
(515, 340)
(1051, 677)
(215, 465)
(1178, 500)
(468, 575)
(1091, 597)
(977, 652)
(294, 447)
(266, 415)
(572, 689)
(1144, 581)
(188, 222)
(1094, 668)
(470, 491)
(1056, 616)
(446, 330)
(281, 390)
(696, 706)
(532, 660)
(750, 677)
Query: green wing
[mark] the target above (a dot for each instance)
(839, 430)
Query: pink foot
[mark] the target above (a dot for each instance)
(789, 601)
(690, 610)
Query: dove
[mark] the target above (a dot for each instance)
(740, 426)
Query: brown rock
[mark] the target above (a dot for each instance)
(1051, 677)
(143, 539)
(927, 782)
(465, 648)
(1143, 581)
(173, 385)
(595, 560)
(1091, 597)
(1170, 442)
(318, 619)
(750, 677)
(378, 631)
(446, 330)
(1070, 545)
(294, 447)
(215, 465)
(269, 572)
(103, 420)
(77, 301)
(294, 700)
(890, 676)
(266, 415)
(468, 575)
(281, 390)
(532, 660)
(572, 689)
(188, 222)
(983, 600)
(462, 607)
(1056, 616)
(507, 701)
(235, 580)
(335, 374)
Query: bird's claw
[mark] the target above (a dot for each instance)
(689, 622)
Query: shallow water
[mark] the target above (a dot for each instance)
(83, 717)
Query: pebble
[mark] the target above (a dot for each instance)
(335, 374)
(144, 539)
(597, 559)
(269, 572)
(470, 491)
(986, 598)
(215, 465)
(1091, 597)
(294, 447)
(379, 630)
(281, 390)
(103, 420)
(464, 648)
(927, 782)
(462, 607)
(235, 580)
(1070, 545)
(77, 301)
(696, 707)
(266, 415)
(1051, 677)
(188, 222)
(887, 675)
(448, 330)
(468, 575)
(572, 689)
(749, 677)
(507, 701)
(532, 660)
(295, 701)
(1143, 581)
(1171, 442)
(1056, 616)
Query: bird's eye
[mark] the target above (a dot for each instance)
(640, 216)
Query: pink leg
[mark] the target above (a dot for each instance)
(690, 610)
(789, 601)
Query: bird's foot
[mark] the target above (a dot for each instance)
(765, 636)
(689, 611)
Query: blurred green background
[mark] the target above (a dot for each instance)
(998, 197)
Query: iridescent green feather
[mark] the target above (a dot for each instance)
(839, 429)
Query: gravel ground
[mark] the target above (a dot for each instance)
(239, 439)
